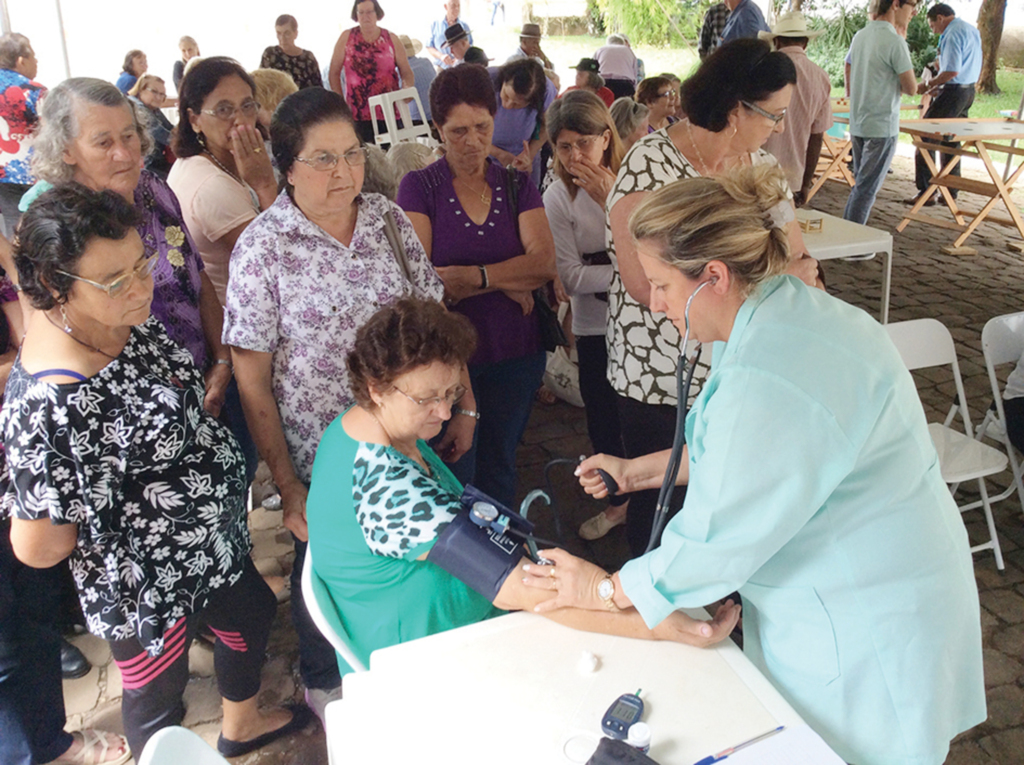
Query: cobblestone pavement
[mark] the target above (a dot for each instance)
(962, 292)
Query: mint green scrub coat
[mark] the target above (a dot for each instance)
(815, 492)
(383, 600)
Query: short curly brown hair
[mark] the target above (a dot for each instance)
(403, 336)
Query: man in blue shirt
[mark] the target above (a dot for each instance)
(745, 20)
(880, 71)
(953, 87)
(436, 43)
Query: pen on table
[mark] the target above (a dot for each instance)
(726, 752)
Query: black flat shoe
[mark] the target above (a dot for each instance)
(301, 717)
(73, 663)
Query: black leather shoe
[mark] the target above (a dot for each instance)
(73, 663)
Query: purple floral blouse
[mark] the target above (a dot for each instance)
(176, 278)
(297, 292)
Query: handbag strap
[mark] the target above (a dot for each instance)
(513, 198)
(397, 247)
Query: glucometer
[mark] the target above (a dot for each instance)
(624, 711)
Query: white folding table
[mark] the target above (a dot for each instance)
(839, 238)
(510, 690)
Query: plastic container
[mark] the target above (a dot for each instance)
(639, 736)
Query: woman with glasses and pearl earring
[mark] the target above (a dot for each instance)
(305, 275)
(734, 101)
(223, 177)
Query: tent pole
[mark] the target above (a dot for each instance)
(63, 40)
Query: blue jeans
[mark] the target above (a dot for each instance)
(31, 695)
(318, 663)
(232, 415)
(505, 392)
(871, 157)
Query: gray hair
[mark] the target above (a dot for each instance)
(58, 123)
(12, 47)
(616, 39)
(628, 115)
(408, 156)
(379, 175)
(594, 80)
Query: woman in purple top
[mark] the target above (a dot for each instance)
(489, 262)
(523, 94)
(184, 300)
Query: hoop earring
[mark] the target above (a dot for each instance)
(64, 318)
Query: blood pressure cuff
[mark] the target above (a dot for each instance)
(479, 557)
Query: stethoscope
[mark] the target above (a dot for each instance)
(684, 378)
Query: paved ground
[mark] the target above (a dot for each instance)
(963, 292)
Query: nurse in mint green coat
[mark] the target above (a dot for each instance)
(813, 489)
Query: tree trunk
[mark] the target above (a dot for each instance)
(990, 25)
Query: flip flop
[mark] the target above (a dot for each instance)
(301, 716)
(86, 755)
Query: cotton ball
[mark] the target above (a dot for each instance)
(587, 663)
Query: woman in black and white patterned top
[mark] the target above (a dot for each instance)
(112, 459)
(734, 101)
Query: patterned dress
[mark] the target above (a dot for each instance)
(643, 347)
(369, 70)
(372, 513)
(155, 484)
(304, 69)
(19, 98)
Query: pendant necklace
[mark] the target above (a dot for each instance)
(66, 329)
(689, 133)
(483, 195)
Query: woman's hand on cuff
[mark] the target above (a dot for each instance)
(573, 579)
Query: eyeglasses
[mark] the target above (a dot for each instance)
(120, 284)
(158, 93)
(451, 399)
(226, 112)
(580, 144)
(666, 94)
(775, 118)
(325, 160)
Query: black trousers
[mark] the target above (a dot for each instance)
(646, 428)
(952, 102)
(239, 615)
(1014, 408)
(600, 401)
(31, 695)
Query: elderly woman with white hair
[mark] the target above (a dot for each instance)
(90, 133)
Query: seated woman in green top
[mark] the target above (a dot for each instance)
(380, 497)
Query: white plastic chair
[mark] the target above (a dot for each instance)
(396, 133)
(174, 745)
(926, 343)
(324, 615)
(1002, 342)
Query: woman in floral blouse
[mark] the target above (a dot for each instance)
(113, 460)
(305, 275)
(105, 153)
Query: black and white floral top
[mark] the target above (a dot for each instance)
(643, 347)
(155, 484)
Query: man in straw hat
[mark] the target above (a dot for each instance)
(810, 111)
(529, 47)
(442, 58)
(423, 72)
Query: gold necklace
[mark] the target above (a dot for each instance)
(218, 163)
(66, 329)
(484, 195)
(696, 148)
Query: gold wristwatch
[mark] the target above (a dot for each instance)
(606, 592)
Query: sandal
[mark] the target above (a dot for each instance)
(90, 738)
(301, 716)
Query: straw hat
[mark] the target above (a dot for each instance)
(531, 30)
(790, 24)
(412, 47)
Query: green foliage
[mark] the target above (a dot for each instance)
(829, 50)
(654, 22)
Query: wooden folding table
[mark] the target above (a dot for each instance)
(975, 137)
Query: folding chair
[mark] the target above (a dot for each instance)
(175, 745)
(396, 131)
(926, 343)
(1002, 342)
(325, 615)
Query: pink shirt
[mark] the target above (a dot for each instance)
(369, 70)
(809, 112)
